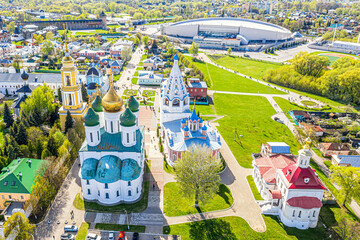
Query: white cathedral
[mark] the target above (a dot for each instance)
(112, 155)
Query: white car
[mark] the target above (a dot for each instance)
(111, 236)
(93, 236)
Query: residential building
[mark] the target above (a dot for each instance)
(149, 78)
(197, 89)
(17, 179)
(329, 149)
(153, 63)
(346, 160)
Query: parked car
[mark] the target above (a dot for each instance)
(111, 236)
(93, 236)
(67, 236)
(279, 120)
(121, 235)
(70, 228)
(135, 236)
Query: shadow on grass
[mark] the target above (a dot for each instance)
(211, 229)
(224, 192)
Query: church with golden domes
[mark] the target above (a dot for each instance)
(71, 91)
(112, 155)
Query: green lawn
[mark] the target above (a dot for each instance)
(204, 109)
(117, 227)
(223, 80)
(286, 106)
(251, 116)
(237, 228)
(249, 67)
(81, 235)
(148, 166)
(318, 152)
(254, 190)
(309, 103)
(148, 93)
(139, 206)
(134, 80)
(129, 92)
(175, 204)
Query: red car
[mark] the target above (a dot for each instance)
(121, 235)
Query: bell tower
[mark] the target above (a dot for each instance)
(71, 90)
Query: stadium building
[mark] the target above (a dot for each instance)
(222, 33)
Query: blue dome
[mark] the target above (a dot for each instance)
(204, 128)
(108, 170)
(88, 168)
(186, 128)
(183, 120)
(193, 116)
(176, 57)
(201, 121)
(130, 170)
(93, 71)
(91, 86)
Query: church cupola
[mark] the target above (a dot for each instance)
(201, 123)
(97, 106)
(203, 130)
(194, 121)
(186, 131)
(183, 122)
(112, 104)
(134, 107)
(128, 127)
(304, 156)
(92, 127)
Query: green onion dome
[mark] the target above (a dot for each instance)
(91, 118)
(133, 104)
(127, 118)
(96, 104)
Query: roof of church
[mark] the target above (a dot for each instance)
(112, 142)
(130, 170)
(108, 169)
(268, 165)
(133, 104)
(25, 89)
(93, 71)
(91, 118)
(96, 104)
(127, 118)
(304, 202)
(19, 101)
(301, 178)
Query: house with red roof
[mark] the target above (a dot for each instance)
(290, 188)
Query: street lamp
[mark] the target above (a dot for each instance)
(127, 219)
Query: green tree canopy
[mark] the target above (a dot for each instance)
(197, 173)
(310, 65)
(194, 49)
(20, 226)
(348, 179)
(41, 98)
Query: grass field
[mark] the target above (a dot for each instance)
(254, 190)
(175, 204)
(223, 80)
(81, 235)
(249, 67)
(139, 206)
(204, 109)
(251, 117)
(286, 106)
(237, 228)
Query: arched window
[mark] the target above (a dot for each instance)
(166, 102)
(70, 99)
(129, 193)
(111, 127)
(174, 157)
(314, 213)
(293, 213)
(299, 214)
(91, 137)
(68, 81)
(176, 103)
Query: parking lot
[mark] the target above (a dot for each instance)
(128, 235)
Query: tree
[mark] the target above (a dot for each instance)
(310, 65)
(21, 137)
(84, 94)
(38, 38)
(126, 53)
(196, 172)
(43, 98)
(145, 40)
(47, 48)
(194, 49)
(59, 95)
(69, 121)
(229, 51)
(348, 179)
(11, 26)
(20, 226)
(8, 116)
(49, 35)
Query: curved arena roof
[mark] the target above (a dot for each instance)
(251, 29)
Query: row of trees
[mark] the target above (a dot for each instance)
(310, 73)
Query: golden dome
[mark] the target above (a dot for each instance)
(112, 102)
(67, 59)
